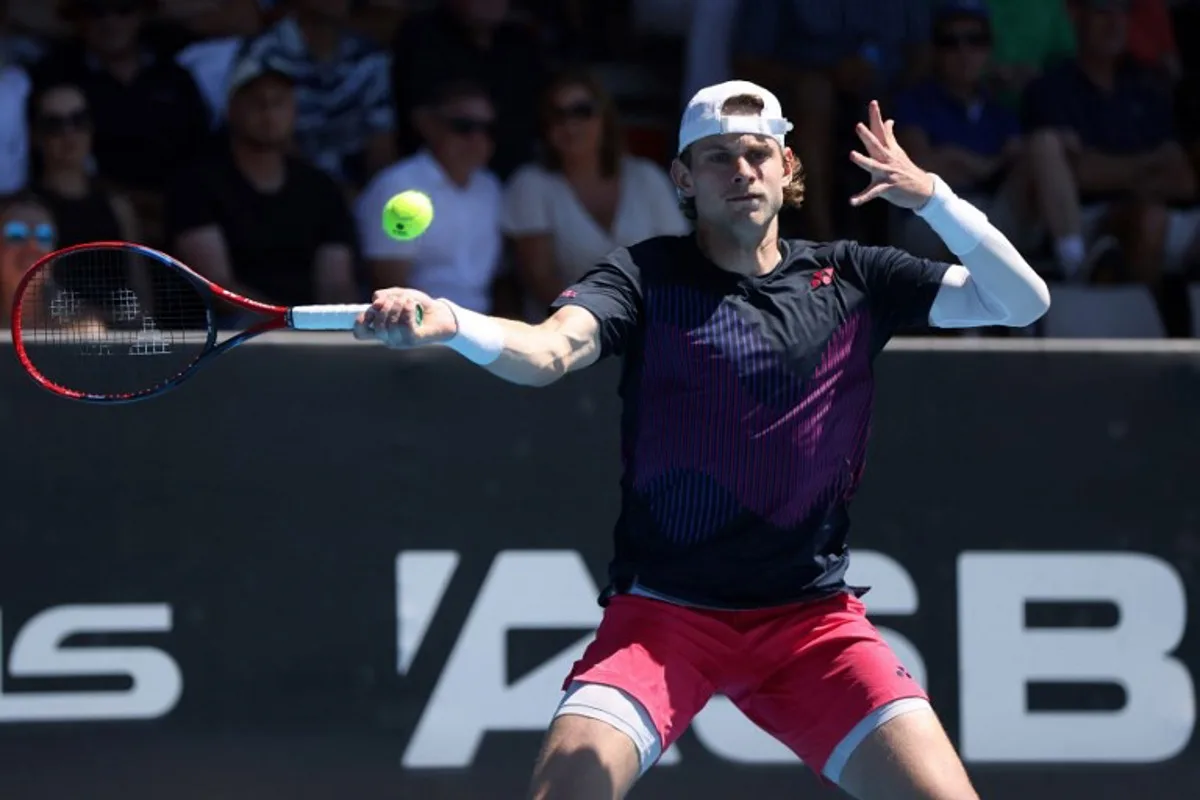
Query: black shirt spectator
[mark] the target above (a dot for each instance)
(85, 210)
(148, 117)
(456, 42)
(257, 220)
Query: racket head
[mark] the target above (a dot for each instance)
(83, 328)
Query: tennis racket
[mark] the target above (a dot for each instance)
(115, 322)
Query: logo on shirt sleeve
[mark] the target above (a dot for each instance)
(822, 277)
(567, 294)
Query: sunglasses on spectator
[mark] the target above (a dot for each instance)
(584, 109)
(19, 233)
(466, 126)
(58, 124)
(951, 41)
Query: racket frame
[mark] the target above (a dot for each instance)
(277, 318)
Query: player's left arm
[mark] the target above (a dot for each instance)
(994, 284)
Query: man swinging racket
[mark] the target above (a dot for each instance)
(747, 390)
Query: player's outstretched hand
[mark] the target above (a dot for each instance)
(894, 176)
(402, 318)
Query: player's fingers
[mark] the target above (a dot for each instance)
(876, 117)
(870, 194)
(869, 140)
(889, 128)
(867, 163)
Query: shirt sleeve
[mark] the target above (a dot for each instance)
(900, 287)
(612, 292)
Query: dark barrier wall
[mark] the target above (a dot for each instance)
(327, 571)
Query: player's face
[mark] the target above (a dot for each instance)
(735, 179)
(963, 48)
(464, 133)
(63, 128)
(263, 113)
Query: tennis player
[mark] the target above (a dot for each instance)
(747, 391)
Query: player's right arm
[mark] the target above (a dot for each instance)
(592, 319)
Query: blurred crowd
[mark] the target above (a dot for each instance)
(258, 140)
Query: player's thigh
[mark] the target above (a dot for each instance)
(636, 688)
(835, 682)
(594, 750)
(908, 757)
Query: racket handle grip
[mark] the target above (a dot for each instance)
(339, 317)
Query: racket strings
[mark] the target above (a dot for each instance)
(111, 321)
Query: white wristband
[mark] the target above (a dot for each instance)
(961, 225)
(479, 339)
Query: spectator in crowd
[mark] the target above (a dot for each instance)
(1027, 36)
(255, 218)
(345, 121)
(826, 59)
(14, 138)
(147, 116)
(472, 40)
(1105, 154)
(585, 196)
(86, 211)
(29, 233)
(952, 125)
(459, 254)
(220, 28)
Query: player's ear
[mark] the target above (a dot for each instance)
(790, 162)
(682, 177)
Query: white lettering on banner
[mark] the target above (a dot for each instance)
(471, 697)
(38, 652)
(422, 578)
(522, 590)
(1000, 656)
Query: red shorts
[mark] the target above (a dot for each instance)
(807, 674)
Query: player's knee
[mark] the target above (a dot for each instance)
(906, 756)
(584, 759)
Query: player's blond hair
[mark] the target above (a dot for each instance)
(750, 105)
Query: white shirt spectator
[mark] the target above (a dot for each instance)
(14, 136)
(458, 255)
(538, 201)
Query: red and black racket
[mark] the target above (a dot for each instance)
(114, 322)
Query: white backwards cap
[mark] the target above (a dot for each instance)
(703, 116)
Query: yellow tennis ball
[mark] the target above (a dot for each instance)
(407, 215)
